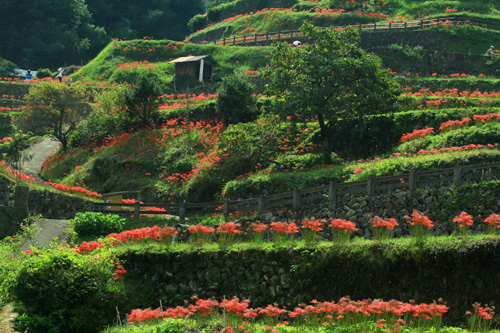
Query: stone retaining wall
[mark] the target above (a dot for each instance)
(48, 204)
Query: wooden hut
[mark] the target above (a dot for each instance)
(199, 67)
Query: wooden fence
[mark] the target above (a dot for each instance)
(330, 193)
(373, 27)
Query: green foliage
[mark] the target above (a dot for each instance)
(142, 101)
(14, 152)
(6, 67)
(329, 78)
(92, 224)
(481, 135)
(59, 32)
(61, 291)
(235, 102)
(108, 119)
(54, 107)
(44, 72)
(197, 22)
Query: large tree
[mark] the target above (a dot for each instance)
(54, 107)
(328, 78)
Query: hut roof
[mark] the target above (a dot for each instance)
(207, 58)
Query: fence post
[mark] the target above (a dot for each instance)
(390, 25)
(244, 38)
(405, 25)
(234, 40)
(413, 181)
(370, 186)
(137, 209)
(225, 209)
(255, 38)
(457, 175)
(359, 27)
(279, 34)
(421, 24)
(90, 206)
(296, 199)
(332, 195)
(182, 211)
(261, 203)
(267, 36)
(224, 41)
(374, 26)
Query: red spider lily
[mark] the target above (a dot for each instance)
(283, 232)
(89, 246)
(383, 229)
(119, 272)
(453, 124)
(311, 227)
(493, 222)
(200, 234)
(155, 233)
(418, 221)
(463, 221)
(256, 232)
(416, 134)
(342, 229)
(227, 232)
(481, 318)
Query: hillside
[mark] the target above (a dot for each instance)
(171, 163)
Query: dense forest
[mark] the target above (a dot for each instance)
(53, 33)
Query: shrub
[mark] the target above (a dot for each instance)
(61, 291)
(92, 224)
(44, 72)
(197, 22)
(235, 102)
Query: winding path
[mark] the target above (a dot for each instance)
(39, 152)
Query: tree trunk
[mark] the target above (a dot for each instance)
(327, 153)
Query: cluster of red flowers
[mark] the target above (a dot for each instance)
(448, 149)
(284, 227)
(16, 173)
(119, 272)
(378, 222)
(452, 124)
(463, 220)
(418, 218)
(258, 227)
(229, 228)
(487, 117)
(74, 189)
(89, 246)
(344, 225)
(135, 65)
(345, 311)
(313, 224)
(419, 133)
(156, 233)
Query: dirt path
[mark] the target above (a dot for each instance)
(40, 152)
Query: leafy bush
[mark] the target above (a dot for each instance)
(235, 102)
(96, 224)
(61, 291)
(487, 134)
(44, 72)
(6, 67)
(197, 22)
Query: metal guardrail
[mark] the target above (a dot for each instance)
(330, 193)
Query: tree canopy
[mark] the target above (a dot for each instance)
(54, 33)
(54, 107)
(328, 78)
